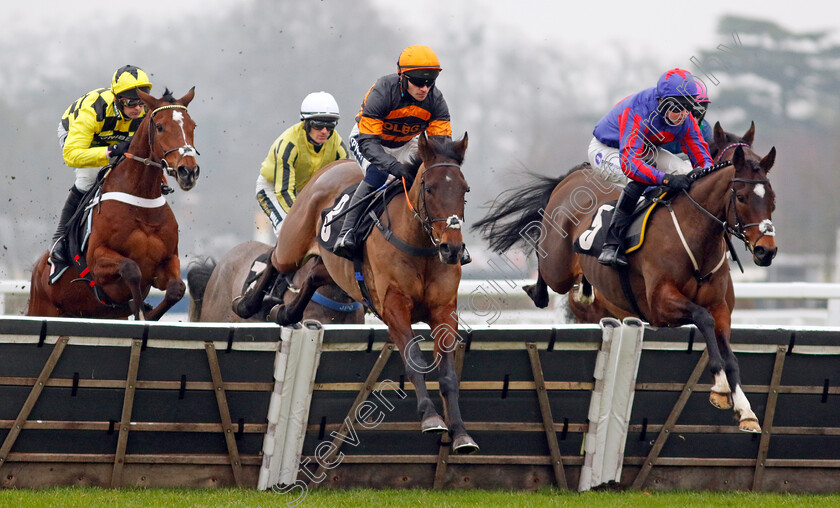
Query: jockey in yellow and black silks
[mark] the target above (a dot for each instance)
(297, 154)
(95, 127)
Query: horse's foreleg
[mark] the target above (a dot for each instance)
(173, 293)
(673, 307)
(130, 273)
(396, 313)
(168, 278)
(748, 422)
(292, 312)
(445, 334)
(250, 302)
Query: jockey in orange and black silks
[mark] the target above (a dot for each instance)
(396, 109)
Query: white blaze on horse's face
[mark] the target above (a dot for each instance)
(759, 190)
(179, 119)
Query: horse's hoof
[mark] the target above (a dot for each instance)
(278, 315)
(433, 425)
(539, 301)
(750, 425)
(721, 400)
(464, 445)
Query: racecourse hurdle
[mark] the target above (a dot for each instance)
(189, 405)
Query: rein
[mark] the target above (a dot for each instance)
(738, 229)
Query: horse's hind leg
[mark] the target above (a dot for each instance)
(397, 315)
(284, 314)
(538, 292)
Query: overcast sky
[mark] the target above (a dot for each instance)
(671, 29)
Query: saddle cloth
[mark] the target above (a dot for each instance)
(328, 234)
(591, 241)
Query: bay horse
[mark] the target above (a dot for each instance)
(133, 243)
(404, 287)
(214, 285)
(679, 275)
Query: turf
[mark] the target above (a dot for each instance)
(67, 497)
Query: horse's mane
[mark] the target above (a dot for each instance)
(167, 96)
(440, 145)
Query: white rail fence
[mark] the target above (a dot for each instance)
(501, 301)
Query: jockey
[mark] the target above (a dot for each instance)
(699, 114)
(297, 154)
(396, 109)
(96, 127)
(626, 148)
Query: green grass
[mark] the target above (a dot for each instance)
(84, 497)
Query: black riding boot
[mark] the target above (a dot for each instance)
(58, 251)
(346, 245)
(611, 253)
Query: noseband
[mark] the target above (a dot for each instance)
(184, 150)
(452, 222)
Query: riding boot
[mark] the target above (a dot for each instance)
(249, 303)
(346, 245)
(611, 253)
(58, 252)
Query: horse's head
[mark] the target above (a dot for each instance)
(752, 201)
(723, 139)
(440, 197)
(171, 136)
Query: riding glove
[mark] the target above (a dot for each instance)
(118, 149)
(677, 182)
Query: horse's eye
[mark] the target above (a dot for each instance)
(740, 198)
(468, 189)
(428, 190)
(159, 127)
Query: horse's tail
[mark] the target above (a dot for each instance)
(198, 274)
(514, 210)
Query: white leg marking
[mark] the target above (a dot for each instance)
(721, 384)
(742, 405)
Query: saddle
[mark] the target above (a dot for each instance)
(591, 241)
(332, 217)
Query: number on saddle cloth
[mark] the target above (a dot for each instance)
(591, 241)
(332, 218)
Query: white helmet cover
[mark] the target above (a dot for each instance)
(319, 104)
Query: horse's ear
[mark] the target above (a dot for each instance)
(720, 135)
(461, 145)
(768, 160)
(149, 99)
(186, 99)
(738, 157)
(750, 135)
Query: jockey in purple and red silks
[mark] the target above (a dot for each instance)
(627, 145)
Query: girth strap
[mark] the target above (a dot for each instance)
(358, 268)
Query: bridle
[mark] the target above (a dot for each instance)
(452, 222)
(185, 150)
(738, 229)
